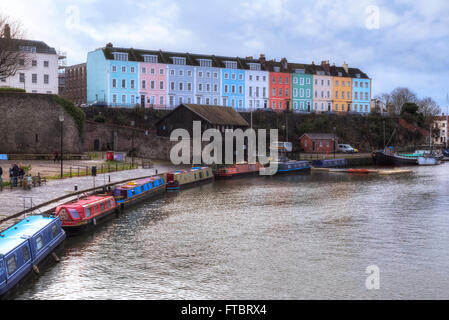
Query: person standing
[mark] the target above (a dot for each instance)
(15, 174)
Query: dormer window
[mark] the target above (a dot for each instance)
(179, 60)
(231, 64)
(205, 62)
(27, 49)
(301, 71)
(340, 74)
(254, 66)
(121, 56)
(358, 75)
(277, 69)
(150, 58)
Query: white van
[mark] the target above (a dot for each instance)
(346, 148)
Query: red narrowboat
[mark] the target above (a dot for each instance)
(83, 213)
(239, 169)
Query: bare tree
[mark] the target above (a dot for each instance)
(12, 59)
(400, 96)
(429, 108)
(385, 98)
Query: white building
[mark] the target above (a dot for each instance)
(256, 83)
(440, 130)
(39, 72)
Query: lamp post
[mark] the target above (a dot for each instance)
(132, 144)
(334, 141)
(61, 121)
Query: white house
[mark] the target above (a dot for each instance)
(40, 68)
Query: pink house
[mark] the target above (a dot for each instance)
(153, 85)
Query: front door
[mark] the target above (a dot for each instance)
(142, 101)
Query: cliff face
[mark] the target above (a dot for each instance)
(29, 123)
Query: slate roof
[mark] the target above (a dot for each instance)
(41, 47)
(242, 63)
(215, 115)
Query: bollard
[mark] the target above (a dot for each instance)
(76, 187)
(109, 179)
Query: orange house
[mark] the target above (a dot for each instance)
(280, 86)
(342, 89)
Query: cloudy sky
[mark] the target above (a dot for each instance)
(397, 43)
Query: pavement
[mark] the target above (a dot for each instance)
(17, 199)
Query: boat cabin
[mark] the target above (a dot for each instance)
(184, 177)
(26, 244)
(73, 212)
(136, 188)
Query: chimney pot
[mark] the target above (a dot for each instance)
(7, 31)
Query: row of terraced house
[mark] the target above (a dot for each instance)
(127, 77)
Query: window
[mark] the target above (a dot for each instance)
(161, 100)
(150, 58)
(12, 266)
(180, 86)
(161, 85)
(226, 76)
(179, 60)
(308, 81)
(308, 93)
(22, 77)
(132, 84)
(336, 83)
(356, 84)
(123, 69)
(102, 206)
(133, 101)
(114, 101)
(181, 73)
(54, 231)
(216, 75)
(280, 80)
(233, 88)
(34, 78)
(26, 253)
(39, 242)
(46, 64)
(46, 78)
(172, 86)
(144, 70)
(356, 96)
(207, 74)
(200, 87)
(123, 83)
(34, 63)
(200, 74)
(215, 87)
(114, 68)
(172, 72)
(133, 70)
(336, 94)
(301, 93)
(189, 73)
(205, 62)
(280, 92)
(273, 92)
(240, 76)
(276, 69)
(189, 86)
(233, 76)
(240, 89)
(231, 64)
(161, 72)
(254, 66)
(120, 56)
(208, 87)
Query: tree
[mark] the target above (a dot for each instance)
(12, 59)
(401, 96)
(429, 108)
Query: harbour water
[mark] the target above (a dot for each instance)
(285, 237)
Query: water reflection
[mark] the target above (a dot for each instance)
(281, 237)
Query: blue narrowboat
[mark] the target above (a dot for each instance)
(135, 191)
(293, 166)
(26, 245)
(330, 163)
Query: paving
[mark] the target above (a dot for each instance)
(15, 200)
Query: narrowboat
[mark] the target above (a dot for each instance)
(388, 157)
(330, 163)
(135, 191)
(83, 213)
(179, 179)
(25, 246)
(293, 166)
(239, 169)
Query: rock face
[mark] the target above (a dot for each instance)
(29, 124)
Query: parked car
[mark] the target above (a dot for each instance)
(346, 148)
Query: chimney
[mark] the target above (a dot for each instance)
(7, 31)
(284, 63)
(109, 45)
(345, 66)
(326, 67)
(250, 58)
(313, 63)
(262, 60)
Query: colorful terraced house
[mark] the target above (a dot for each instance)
(127, 77)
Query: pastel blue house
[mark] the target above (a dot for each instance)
(112, 80)
(181, 81)
(207, 80)
(361, 94)
(233, 86)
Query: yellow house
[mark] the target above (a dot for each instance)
(342, 89)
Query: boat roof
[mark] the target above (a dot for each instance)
(189, 170)
(85, 201)
(137, 183)
(18, 233)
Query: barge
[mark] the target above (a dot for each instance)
(25, 246)
(135, 191)
(86, 212)
(239, 169)
(180, 179)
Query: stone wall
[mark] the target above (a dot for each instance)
(29, 124)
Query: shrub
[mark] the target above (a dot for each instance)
(76, 113)
(99, 118)
(8, 89)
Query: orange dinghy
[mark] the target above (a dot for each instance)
(358, 171)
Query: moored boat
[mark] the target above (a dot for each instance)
(83, 213)
(25, 246)
(136, 191)
(388, 157)
(293, 166)
(239, 169)
(428, 161)
(180, 179)
(330, 163)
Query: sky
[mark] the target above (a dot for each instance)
(398, 43)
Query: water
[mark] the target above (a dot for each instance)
(285, 237)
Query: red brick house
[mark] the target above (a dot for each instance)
(318, 142)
